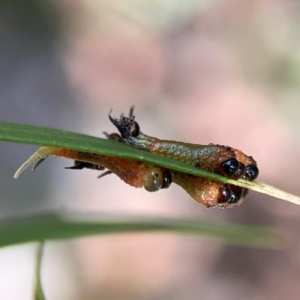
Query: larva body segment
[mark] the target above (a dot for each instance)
(209, 192)
(134, 173)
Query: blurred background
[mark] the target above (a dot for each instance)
(224, 72)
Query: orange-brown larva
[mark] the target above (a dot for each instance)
(223, 160)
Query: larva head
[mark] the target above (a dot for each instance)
(127, 126)
(233, 163)
(250, 167)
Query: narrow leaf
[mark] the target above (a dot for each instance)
(54, 226)
(29, 134)
(38, 290)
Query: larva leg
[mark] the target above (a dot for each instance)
(104, 174)
(79, 165)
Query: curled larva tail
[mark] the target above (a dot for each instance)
(38, 157)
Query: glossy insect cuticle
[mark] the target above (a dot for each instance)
(237, 192)
(134, 129)
(233, 199)
(167, 179)
(225, 193)
(230, 166)
(251, 172)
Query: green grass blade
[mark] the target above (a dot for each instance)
(54, 226)
(38, 290)
(28, 134)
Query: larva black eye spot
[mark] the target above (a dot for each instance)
(233, 199)
(230, 166)
(225, 194)
(251, 172)
(134, 129)
(167, 179)
(236, 194)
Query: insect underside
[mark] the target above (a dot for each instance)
(223, 160)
